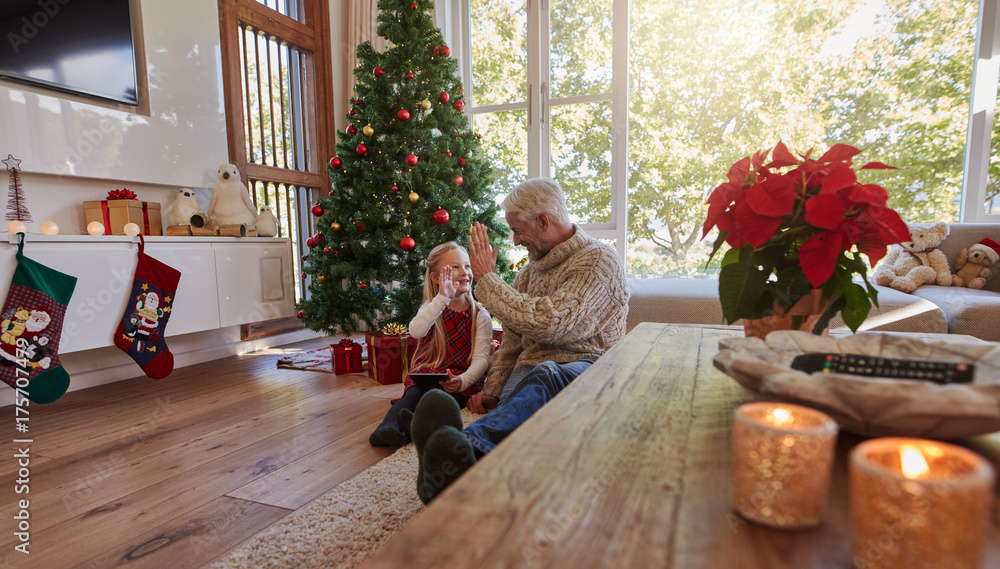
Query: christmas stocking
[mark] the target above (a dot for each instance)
(141, 331)
(31, 328)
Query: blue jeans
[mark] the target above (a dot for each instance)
(543, 383)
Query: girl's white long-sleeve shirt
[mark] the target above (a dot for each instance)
(427, 315)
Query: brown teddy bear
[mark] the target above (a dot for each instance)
(973, 265)
(916, 262)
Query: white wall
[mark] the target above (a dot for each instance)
(73, 150)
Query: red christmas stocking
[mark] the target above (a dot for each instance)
(141, 331)
(31, 327)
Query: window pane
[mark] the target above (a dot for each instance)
(505, 141)
(890, 77)
(291, 8)
(581, 159)
(580, 47)
(499, 52)
(274, 99)
(992, 200)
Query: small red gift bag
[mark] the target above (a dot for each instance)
(346, 356)
(389, 357)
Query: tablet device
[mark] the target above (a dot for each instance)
(428, 379)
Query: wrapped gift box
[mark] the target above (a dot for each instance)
(385, 357)
(115, 214)
(346, 357)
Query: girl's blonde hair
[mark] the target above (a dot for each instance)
(438, 348)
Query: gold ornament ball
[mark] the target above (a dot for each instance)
(414, 197)
(368, 130)
(425, 105)
(335, 226)
(321, 278)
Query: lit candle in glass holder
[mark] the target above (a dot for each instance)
(782, 458)
(918, 504)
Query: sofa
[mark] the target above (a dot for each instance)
(930, 309)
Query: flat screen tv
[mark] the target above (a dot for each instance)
(76, 46)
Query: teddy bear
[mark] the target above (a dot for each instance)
(230, 203)
(973, 265)
(916, 262)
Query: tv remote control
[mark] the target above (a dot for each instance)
(938, 372)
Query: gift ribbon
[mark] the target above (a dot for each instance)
(106, 215)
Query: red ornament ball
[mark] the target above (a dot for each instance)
(317, 210)
(378, 71)
(407, 243)
(301, 314)
(437, 51)
(459, 105)
(336, 162)
(357, 101)
(351, 113)
(459, 181)
(395, 187)
(352, 130)
(444, 97)
(414, 5)
(403, 114)
(310, 243)
(326, 250)
(445, 51)
(362, 149)
(441, 216)
(411, 160)
(304, 257)
(304, 276)
(319, 239)
(449, 153)
(409, 75)
(363, 285)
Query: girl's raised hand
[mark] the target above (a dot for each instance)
(447, 284)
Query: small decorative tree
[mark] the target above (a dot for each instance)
(17, 205)
(409, 174)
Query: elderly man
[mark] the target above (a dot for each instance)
(566, 308)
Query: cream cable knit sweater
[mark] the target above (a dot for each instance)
(570, 304)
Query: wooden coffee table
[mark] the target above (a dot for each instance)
(628, 467)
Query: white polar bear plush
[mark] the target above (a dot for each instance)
(230, 203)
(184, 206)
(267, 224)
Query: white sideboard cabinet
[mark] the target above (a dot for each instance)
(224, 281)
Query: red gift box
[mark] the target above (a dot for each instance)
(346, 357)
(385, 357)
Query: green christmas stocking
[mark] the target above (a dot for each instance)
(147, 309)
(31, 328)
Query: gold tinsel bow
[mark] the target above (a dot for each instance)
(394, 329)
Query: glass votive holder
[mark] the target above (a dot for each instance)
(918, 504)
(782, 458)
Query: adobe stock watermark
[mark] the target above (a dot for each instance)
(32, 25)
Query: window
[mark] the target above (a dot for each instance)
(544, 96)
(678, 91)
(276, 67)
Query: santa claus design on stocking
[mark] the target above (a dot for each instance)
(141, 328)
(23, 339)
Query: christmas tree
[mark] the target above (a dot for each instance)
(17, 206)
(409, 174)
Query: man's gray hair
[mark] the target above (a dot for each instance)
(536, 196)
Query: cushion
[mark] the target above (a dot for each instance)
(969, 311)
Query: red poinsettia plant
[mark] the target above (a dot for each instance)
(795, 224)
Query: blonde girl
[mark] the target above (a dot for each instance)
(455, 337)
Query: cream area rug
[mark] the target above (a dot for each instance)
(343, 527)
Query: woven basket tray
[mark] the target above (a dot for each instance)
(869, 405)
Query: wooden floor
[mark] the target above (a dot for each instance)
(176, 472)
